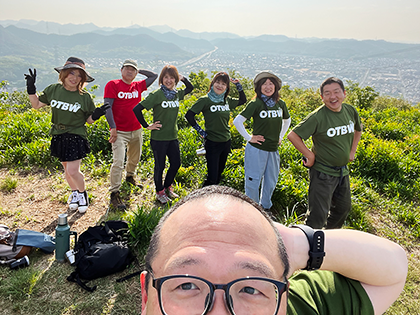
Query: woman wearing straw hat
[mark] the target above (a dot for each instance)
(216, 107)
(71, 109)
(271, 121)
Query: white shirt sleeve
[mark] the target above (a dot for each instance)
(285, 126)
(239, 124)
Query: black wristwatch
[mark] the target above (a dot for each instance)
(316, 246)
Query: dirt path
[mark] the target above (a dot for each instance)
(40, 197)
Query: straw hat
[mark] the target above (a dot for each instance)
(75, 63)
(265, 75)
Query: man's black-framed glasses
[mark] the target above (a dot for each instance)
(185, 294)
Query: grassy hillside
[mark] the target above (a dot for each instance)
(384, 179)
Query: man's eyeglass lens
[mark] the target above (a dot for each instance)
(186, 295)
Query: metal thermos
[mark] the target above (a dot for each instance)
(62, 237)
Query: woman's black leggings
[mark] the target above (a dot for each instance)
(161, 150)
(216, 156)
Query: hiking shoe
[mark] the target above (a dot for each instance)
(162, 197)
(170, 192)
(83, 201)
(131, 181)
(73, 200)
(116, 202)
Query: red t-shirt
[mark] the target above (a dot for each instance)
(126, 97)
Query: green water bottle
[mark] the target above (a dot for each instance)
(62, 237)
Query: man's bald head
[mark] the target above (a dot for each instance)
(215, 197)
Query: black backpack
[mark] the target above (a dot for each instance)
(101, 251)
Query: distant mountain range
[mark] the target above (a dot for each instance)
(28, 43)
(155, 41)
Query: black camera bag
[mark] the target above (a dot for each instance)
(101, 251)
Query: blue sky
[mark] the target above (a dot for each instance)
(396, 20)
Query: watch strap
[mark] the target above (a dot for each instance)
(316, 240)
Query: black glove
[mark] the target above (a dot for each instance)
(100, 111)
(30, 82)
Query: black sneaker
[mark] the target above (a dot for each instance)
(116, 201)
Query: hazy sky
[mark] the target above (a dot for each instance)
(396, 20)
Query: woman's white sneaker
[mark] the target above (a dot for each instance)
(73, 200)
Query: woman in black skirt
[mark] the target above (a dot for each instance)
(71, 107)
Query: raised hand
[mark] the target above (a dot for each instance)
(30, 82)
(237, 83)
(100, 111)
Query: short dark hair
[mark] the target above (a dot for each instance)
(172, 71)
(258, 85)
(224, 77)
(331, 80)
(203, 193)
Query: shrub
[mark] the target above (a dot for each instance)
(98, 136)
(141, 225)
(362, 98)
(234, 174)
(388, 130)
(387, 166)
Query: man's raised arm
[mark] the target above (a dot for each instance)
(377, 263)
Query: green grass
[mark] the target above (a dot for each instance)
(31, 291)
(142, 224)
(8, 184)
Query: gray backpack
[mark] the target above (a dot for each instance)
(9, 251)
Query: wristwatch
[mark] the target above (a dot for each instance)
(316, 246)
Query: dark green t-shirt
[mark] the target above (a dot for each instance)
(69, 109)
(332, 136)
(327, 293)
(165, 111)
(267, 122)
(216, 117)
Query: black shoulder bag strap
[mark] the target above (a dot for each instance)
(74, 277)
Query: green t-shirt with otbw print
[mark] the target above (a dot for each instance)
(216, 117)
(332, 136)
(165, 111)
(268, 122)
(69, 109)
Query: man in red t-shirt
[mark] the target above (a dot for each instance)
(126, 132)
